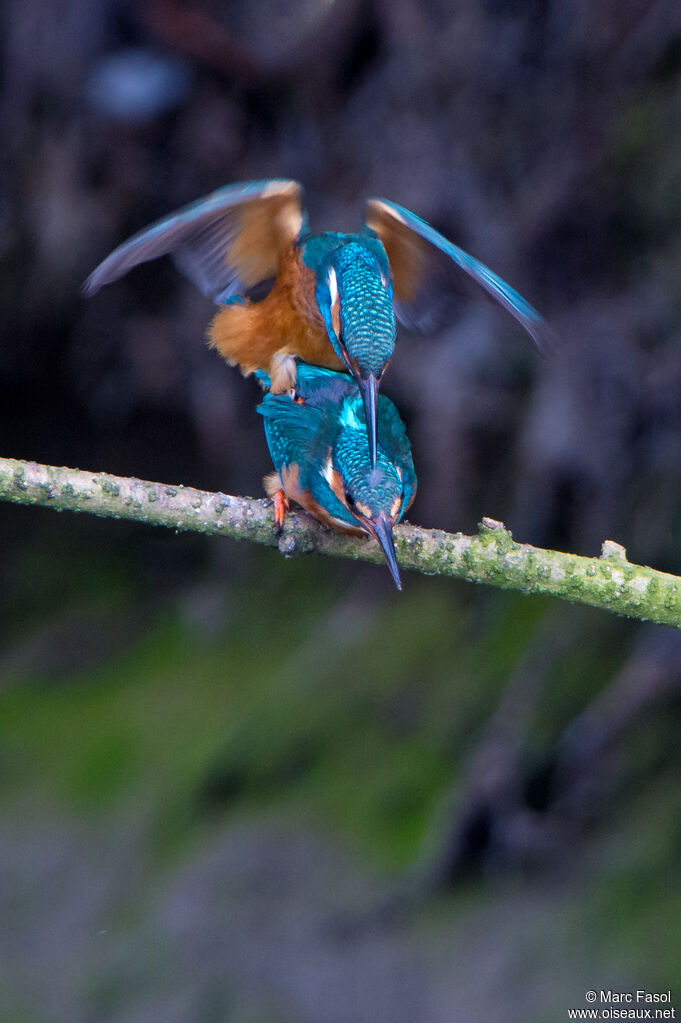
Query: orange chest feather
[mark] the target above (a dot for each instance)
(290, 478)
(286, 321)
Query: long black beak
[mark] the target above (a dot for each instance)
(368, 387)
(382, 528)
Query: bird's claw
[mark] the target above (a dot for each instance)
(281, 506)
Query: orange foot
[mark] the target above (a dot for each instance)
(281, 506)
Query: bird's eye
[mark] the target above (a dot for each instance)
(349, 499)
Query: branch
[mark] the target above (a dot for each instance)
(610, 581)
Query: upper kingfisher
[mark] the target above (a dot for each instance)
(317, 440)
(329, 299)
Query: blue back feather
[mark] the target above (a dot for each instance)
(332, 420)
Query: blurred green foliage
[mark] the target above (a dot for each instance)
(358, 715)
(323, 698)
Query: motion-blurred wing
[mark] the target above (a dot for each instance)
(430, 272)
(225, 243)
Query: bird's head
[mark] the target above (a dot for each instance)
(371, 498)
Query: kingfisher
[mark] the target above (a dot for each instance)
(317, 438)
(329, 299)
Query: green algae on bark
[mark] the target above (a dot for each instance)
(610, 581)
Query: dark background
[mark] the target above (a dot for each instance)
(234, 787)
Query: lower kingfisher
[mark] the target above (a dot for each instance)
(329, 299)
(317, 440)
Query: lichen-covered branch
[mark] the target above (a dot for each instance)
(609, 581)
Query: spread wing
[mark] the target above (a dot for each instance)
(430, 273)
(226, 243)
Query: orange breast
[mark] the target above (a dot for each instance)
(287, 321)
(290, 479)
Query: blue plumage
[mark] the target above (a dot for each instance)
(430, 273)
(330, 299)
(317, 440)
(296, 307)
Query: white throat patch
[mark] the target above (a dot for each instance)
(332, 281)
(327, 470)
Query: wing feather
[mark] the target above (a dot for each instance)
(430, 273)
(291, 430)
(226, 243)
